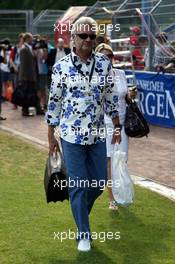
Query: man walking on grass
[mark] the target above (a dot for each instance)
(82, 91)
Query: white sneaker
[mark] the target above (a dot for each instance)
(84, 245)
(113, 206)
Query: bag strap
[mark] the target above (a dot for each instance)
(116, 147)
(128, 100)
(79, 71)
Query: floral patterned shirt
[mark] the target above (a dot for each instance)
(77, 103)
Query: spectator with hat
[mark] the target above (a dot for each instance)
(162, 52)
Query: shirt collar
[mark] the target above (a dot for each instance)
(58, 49)
(76, 58)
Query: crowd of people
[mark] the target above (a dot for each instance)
(29, 64)
(163, 59)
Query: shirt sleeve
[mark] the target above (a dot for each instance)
(111, 97)
(55, 98)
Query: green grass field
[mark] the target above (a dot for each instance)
(28, 223)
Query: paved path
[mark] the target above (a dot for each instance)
(152, 157)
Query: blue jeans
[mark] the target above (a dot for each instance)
(86, 167)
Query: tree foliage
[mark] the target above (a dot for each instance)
(43, 4)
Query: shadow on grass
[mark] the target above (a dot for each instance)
(94, 256)
(138, 246)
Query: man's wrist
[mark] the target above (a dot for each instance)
(118, 126)
(50, 132)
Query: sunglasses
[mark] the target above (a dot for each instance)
(110, 56)
(85, 36)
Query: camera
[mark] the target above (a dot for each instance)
(5, 44)
(39, 44)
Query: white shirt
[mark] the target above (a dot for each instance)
(122, 90)
(5, 66)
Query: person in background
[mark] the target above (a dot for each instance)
(15, 62)
(143, 43)
(138, 58)
(102, 39)
(122, 92)
(49, 45)
(162, 52)
(5, 67)
(15, 59)
(28, 71)
(41, 53)
(135, 32)
(55, 54)
(170, 66)
(2, 59)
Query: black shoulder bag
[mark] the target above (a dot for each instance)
(55, 181)
(135, 123)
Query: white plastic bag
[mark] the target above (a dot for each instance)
(122, 187)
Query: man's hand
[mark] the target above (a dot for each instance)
(53, 143)
(53, 146)
(116, 138)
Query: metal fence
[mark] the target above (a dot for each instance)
(152, 16)
(157, 14)
(13, 22)
(43, 23)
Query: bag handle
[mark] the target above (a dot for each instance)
(128, 100)
(116, 147)
(131, 103)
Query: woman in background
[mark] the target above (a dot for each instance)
(122, 89)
